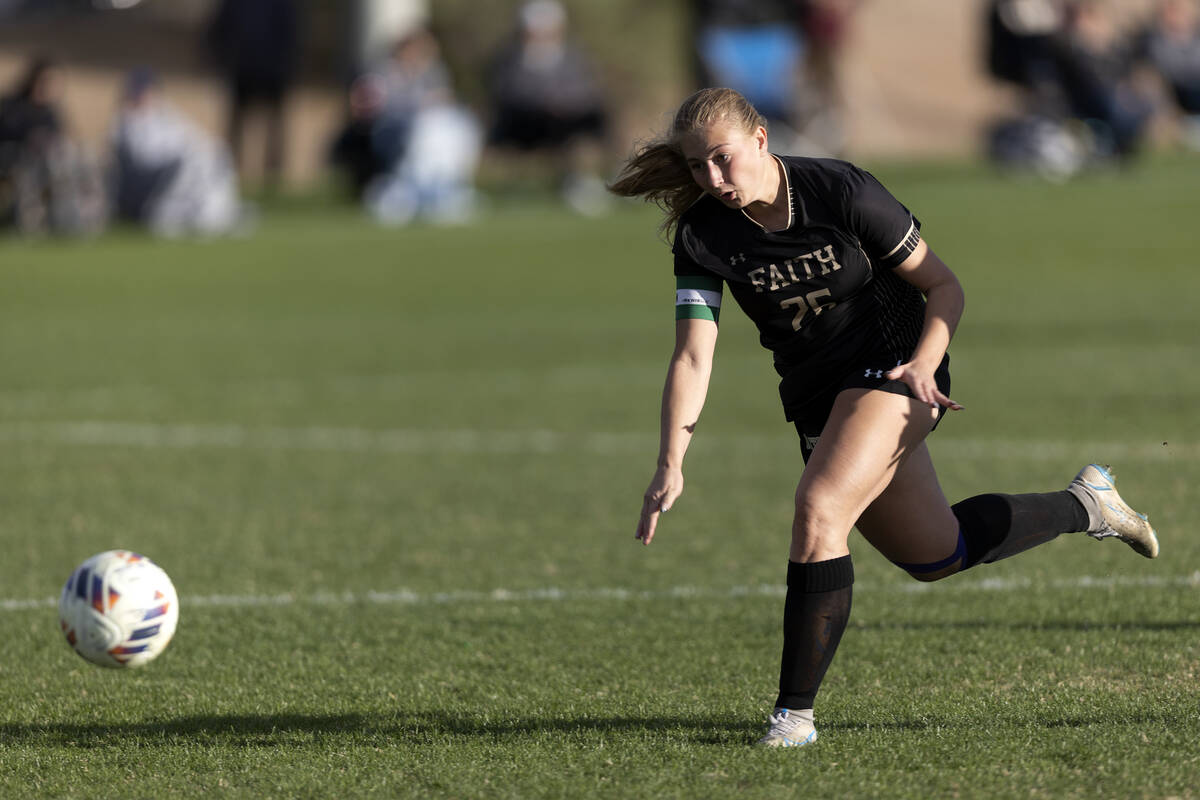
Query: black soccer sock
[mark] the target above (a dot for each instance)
(997, 526)
(814, 617)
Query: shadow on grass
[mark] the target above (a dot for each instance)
(440, 727)
(270, 730)
(697, 730)
(1046, 625)
(246, 729)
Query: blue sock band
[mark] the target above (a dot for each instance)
(960, 553)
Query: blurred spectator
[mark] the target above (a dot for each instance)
(168, 174)
(1020, 43)
(1171, 44)
(1095, 65)
(784, 56)
(409, 148)
(546, 97)
(355, 152)
(1021, 49)
(47, 184)
(1075, 69)
(754, 47)
(826, 26)
(255, 43)
(29, 114)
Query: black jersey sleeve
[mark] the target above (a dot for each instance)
(685, 262)
(886, 229)
(685, 266)
(697, 290)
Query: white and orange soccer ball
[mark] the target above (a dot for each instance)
(118, 609)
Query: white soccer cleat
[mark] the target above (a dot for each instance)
(1095, 487)
(789, 729)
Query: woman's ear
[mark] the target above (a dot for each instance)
(760, 136)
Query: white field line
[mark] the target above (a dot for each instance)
(550, 594)
(535, 442)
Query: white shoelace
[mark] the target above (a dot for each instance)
(784, 722)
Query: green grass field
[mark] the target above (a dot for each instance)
(395, 475)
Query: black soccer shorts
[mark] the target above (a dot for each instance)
(811, 414)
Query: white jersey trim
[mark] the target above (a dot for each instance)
(787, 183)
(903, 240)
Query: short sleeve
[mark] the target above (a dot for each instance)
(886, 229)
(697, 291)
(685, 263)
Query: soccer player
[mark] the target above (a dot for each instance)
(858, 313)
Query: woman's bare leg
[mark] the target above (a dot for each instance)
(911, 522)
(869, 436)
(872, 468)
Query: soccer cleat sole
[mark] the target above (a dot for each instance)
(783, 741)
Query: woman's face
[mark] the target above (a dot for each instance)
(727, 162)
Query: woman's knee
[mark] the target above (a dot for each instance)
(819, 529)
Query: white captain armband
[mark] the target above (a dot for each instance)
(697, 298)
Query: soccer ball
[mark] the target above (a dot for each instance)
(118, 609)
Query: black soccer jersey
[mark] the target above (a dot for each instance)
(822, 291)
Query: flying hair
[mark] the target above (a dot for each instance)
(658, 172)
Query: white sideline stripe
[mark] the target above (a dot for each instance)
(409, 440)
(404, 597)
(188, 436)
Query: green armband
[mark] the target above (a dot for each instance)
(697, 297)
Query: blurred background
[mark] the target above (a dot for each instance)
(169, 113)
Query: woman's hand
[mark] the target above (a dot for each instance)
(661, 494)
(943, 309)
(923, 385)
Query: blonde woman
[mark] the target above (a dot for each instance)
(858, 313)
